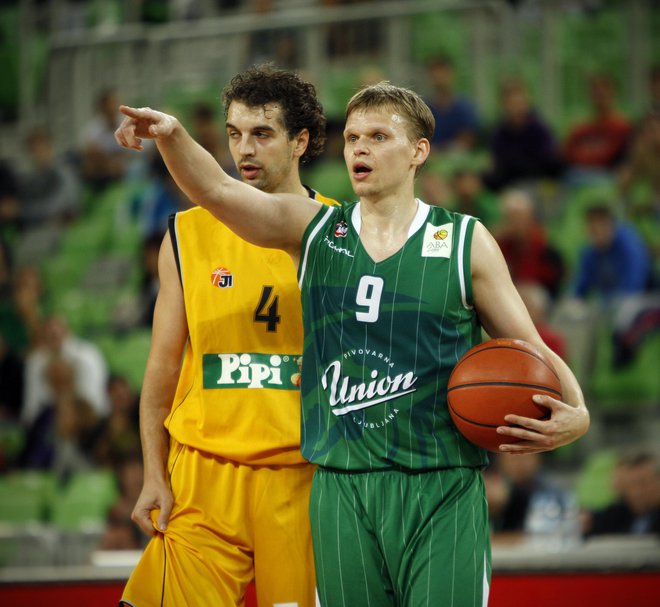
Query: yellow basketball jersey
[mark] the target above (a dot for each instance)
(238, 394)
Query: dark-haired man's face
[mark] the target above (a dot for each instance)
(259, 144)
(601, 230)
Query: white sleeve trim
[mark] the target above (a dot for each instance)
(461, 267)
(312, 235)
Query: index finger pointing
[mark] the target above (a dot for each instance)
(134, 112)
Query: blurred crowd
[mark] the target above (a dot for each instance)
(65, 410)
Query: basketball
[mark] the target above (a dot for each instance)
(496, 378)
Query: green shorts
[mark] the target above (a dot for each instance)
(392, 538)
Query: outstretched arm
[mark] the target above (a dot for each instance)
(503, 314)
(267, 220)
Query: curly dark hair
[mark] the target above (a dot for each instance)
(301, 109)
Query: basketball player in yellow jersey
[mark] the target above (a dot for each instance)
(226, 489)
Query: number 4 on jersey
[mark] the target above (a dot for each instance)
(271, 317)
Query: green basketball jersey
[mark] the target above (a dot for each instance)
(381, 340)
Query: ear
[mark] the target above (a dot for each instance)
(301, 141)
(422, 151)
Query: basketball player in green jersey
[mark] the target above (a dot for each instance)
(394, 292)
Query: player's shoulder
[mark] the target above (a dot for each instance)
(445, 215)
(197, 216)
(315, 195)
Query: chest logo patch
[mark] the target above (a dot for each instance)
(437, 240)
(341, 229)
(222, 278)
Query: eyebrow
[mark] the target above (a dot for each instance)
(259, 127)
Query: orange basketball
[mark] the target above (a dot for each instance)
(496, 378)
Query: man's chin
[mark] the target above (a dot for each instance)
(256, 182)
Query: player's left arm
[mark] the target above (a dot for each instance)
(503, 314)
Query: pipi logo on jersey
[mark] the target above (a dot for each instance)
(222, 278)
(251, 370)
(341, 229)
(364, 379)
(437, 240)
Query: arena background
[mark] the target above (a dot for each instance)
(90, 263)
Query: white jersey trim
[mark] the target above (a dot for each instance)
(417, 222)
(312, 235)
(486, 586)
(461, 266)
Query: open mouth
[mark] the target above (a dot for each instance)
(361, 170)
(249, 171)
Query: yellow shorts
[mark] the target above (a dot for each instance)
(230, 524)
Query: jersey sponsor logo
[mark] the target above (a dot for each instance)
(335, 248)
(346, 395)
(341, 229)
(437, 240)
(222, 278)
(251, 370)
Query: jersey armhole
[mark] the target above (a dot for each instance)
(171, 228)
(309, 234)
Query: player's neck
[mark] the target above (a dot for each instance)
(385, 225)
(390, 212)
(291, 185)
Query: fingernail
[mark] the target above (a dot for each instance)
(162, 526)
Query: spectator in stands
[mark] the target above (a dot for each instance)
(150, 282)
(470, 196)
(50, 191)
(22, 297)
(640, 181)
(162, 198)
(89, 369)
(537, 300)
(205, 130)
(137, 310)
(512, 484)
(615, 262)
(599, 143)
(102, 162)
(654, 89)
(118, 434)
(637, 481)
(456, 121)
(9, 205)
(121, 532)
(522, 145)
(11, 382)
(524, 243)
(61, 437)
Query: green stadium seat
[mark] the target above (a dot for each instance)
(127, 354)
(330, 178)
(25, 497)
(438, 33)
(84, 502)
(88, 236)
(593, 488)
(636, 385)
